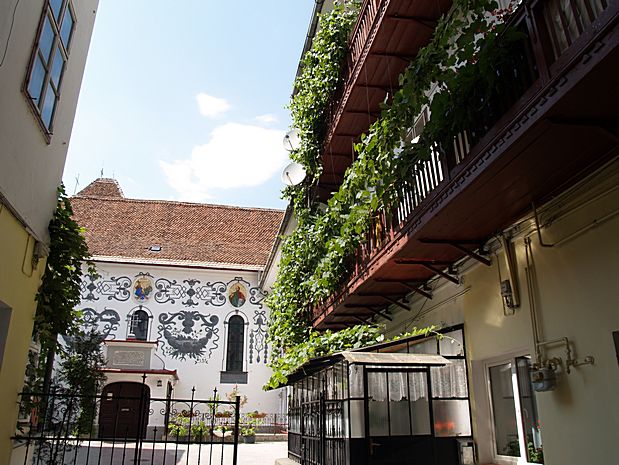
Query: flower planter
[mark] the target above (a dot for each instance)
(249, 439)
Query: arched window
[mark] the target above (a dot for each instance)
(138, 326)
(234, 352)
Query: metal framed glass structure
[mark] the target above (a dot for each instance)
(382, 405)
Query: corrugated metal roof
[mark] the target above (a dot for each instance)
(366, 358)
(378, 358)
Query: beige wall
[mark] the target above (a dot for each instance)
(31, 169)
(18, 285)
(575, 293)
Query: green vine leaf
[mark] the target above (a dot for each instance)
(468, 53)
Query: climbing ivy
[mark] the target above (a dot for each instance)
(327, 343)
(80, 373)
(59, 293)
(313, 90)
(460, 62)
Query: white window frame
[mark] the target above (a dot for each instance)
(130, 326)
(37, 99)
(501, 360)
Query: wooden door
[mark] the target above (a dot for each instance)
(124, 410)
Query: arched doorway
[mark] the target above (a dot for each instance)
(124, 410)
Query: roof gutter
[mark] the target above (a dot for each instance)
(276, 244)
(309, 38)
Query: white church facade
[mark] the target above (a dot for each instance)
(176, 297)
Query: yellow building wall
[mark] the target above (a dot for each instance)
(575, 292)
(19, 282)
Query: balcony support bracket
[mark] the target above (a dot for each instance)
(375, 86)
(354, 317)
(397, 56)
(413, 286)
(430, 265)
(430, 24)
(609, 128)
(374, 114)
(371, 309)
(389, 299)
(460, 245)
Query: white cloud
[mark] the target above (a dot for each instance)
(266, 119)
(237, 155)
(210, 106)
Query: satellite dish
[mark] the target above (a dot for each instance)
(293, 174)
(292, 140)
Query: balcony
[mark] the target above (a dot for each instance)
(560, 123)
(388, 34)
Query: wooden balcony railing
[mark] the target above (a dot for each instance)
(555, 32)
(369, 14)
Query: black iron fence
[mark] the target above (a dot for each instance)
(124, 425)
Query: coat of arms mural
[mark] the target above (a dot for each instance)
(142, 287)
(188, 334)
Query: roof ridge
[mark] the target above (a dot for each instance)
(100, 185)
(176, 202)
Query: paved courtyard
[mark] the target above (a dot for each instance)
(261, 453)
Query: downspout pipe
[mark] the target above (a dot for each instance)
(530, 289)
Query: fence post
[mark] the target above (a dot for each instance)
(237, 414)
(168, 405)
(137, 456)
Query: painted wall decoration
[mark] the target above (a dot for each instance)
(188, 334)
(172, 291)
(258, 338)
(256, 296)
(105, 322)
(185, 334)
(237, 292)
(88, 287)
(237, 295)
(113, 288)
(142, 287)
(189, 292)
(185, 312)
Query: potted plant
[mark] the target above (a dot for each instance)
(199, 431)
(177, 428)
(249, 434)
(231, 396)
(222, 431)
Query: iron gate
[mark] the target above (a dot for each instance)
(317, 433)
(125, 426)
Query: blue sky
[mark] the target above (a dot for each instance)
(185, 100)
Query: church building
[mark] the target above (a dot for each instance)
(176, 296)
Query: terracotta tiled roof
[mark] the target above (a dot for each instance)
(102, 187)
(186, 232)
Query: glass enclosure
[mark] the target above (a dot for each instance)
(391, 409)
